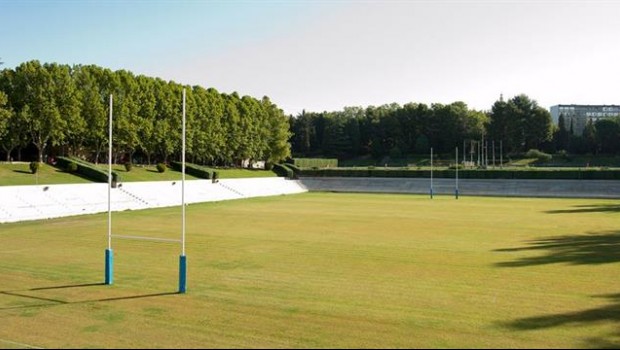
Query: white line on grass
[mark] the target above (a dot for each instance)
(20, 344)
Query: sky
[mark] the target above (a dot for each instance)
(323, 55)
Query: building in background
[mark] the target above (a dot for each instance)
(579, 115)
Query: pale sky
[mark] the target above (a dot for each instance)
(323, 55)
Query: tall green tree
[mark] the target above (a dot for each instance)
(35, 99)
(278, 146)
(520, 123)
(66, 100)
(608, 135)
(562, 136)
(89, 80)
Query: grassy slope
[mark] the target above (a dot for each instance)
(19, 174)
(146, 173)
(323, 270)
(150, 173)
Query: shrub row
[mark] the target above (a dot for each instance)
(283, 170)
(196, 170)
(572, 174)
(316, 162)
(86, 169)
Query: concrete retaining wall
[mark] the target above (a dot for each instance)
(516, 188)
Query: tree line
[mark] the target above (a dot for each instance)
(519, 123)
(63, 110)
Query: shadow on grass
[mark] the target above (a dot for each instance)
(591, 248)
(23, 172)
(56, 302)
(597, 208)
(605, 314)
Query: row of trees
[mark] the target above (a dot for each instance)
(602, 136)
(61, 109)
(414, 128)
(393, 130)
(66, 108)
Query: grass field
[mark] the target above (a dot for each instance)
(14, 174)
(321, 270)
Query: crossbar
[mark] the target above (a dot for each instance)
(143, 238)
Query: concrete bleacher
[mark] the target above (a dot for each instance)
(20, 203)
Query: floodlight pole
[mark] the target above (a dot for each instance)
(501, 156)
(456, 188)
(183, 258)
(109, 256)
(431, 172)
(493, 147)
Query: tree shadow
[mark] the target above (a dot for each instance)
(590, 248)
(23, 171)
(595, 208)
(604, 314)
(47, 302)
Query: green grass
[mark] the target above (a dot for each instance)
(146, 173)
(243, 173)
(14, 174)
(322, 270)
(150, 173)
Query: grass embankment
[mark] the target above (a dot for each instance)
(150, 173)
(322, 270)
(14, 174)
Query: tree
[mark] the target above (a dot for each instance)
(35, 101)
(89, 80)
(562, 136)
(67, 101)
(7, 126)
(588, 140)
(608, 135)
(520, 123)
(278, 144)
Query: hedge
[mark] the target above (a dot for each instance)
(193, 169)
(87, 170)
(316, 162)
(282, 170)
(565, 174)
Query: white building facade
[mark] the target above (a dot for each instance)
(579, 115)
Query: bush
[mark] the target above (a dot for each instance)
(283, 171)
(541, 156)
(34, 167)
(192, 169)
(161, 167)
(87, 170)
(128, 166)
(72, 167)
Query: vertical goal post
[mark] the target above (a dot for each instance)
(109, 254)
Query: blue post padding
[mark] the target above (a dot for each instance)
(431, 193)
(109, 267)
(182, 273)
(456, 193)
